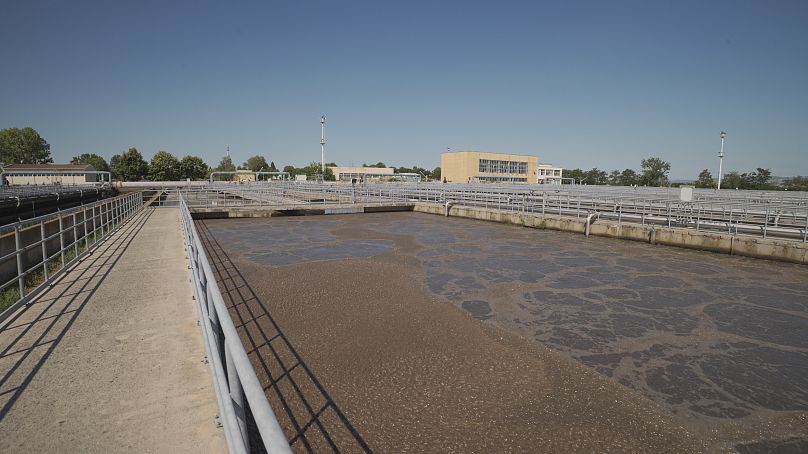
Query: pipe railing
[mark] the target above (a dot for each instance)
(285, 175)
(37, 250)
(759, 213)
(238, 389)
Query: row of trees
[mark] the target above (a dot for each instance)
(25, 145)
(654, 172)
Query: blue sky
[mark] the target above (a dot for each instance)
(580, 84)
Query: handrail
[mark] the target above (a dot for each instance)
(233, 375)
(244, 172)
(78, 231)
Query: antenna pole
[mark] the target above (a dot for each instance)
(721, 159)
(322, 144)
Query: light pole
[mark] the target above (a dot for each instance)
(322, 145)
(721, 159)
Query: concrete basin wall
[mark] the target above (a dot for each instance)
(749, 246)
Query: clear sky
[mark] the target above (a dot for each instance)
(580, 84)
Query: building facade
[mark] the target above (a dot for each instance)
(485, 167)
(549, 174)
(360, 173)
(47, 174)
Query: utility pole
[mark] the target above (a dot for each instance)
(322, 145)
(721, 159)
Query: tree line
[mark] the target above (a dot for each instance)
(654, 172)
(26, 146)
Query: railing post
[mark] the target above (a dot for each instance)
(61, 240)
(20, 265)
(86, 236)
(44, 247)
(237, 395)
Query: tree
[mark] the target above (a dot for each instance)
(734, 180)
(379, 165)
(130, 166)
(796, 184)
(705, 179)
(576, 174)
(23, 146)
(98, 162)
(760, 178)
(113, 165)
(614, 178)
(628, 178)
(291, 170)
(313, 170)
(272, 167)
(193, 167)
(436, 173)
(226, 165)
(596, 176)
(256, 163)
(164, 166)
(654, 172)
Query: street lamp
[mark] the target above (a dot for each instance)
(322, 145)
(721, 159)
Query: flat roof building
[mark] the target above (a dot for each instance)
(45, 174)
(486, 167)
(549, 174)
(342, 173)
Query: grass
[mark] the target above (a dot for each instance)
(34, 279)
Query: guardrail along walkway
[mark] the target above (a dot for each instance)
(110, 357)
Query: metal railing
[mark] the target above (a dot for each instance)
(239, 393)
(758, 213)
(36, 251)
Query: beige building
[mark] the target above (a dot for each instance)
(484, 167)
(47, 174)
(360, 173)
(244, 176)
(549, 174)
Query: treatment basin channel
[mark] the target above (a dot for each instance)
(417, 332)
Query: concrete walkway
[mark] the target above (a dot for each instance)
(110, 359)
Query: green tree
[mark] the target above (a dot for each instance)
(98, 162)
(164, 166)
(379, 165)
(614, 178)
(313, 170)
(226, 165)
(654, 172)
(292, 170)
(256, 163)
(761, 179)
(113, 165)
(705, 179)
(193, 167)
(436, 173)
(576, 174)
(23, 146)
(130, 166)
(596, 176)
(628, 177)
(272, 167)
(796, 184)
(735, 180)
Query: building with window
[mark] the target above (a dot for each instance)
(45, 174)
(342, 173)
(484, 167)
(549, 174)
